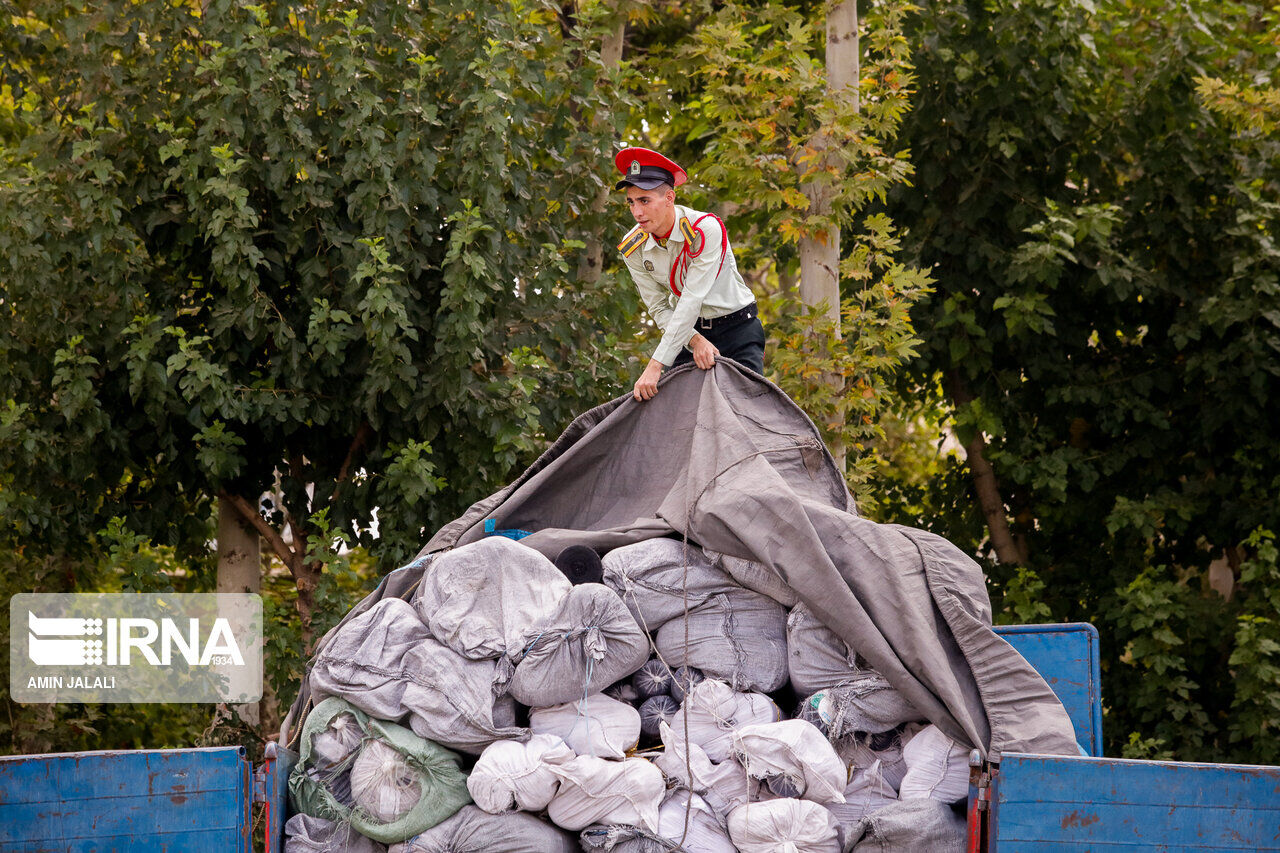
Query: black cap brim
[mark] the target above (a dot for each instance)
(642, 183)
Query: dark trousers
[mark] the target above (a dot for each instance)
(741, 339)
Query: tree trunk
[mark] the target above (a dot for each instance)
(1007, 549)
(239, 570)
(820, 252)
(591, 265)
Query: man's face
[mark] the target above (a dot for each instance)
(653, 210)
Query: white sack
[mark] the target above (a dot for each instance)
(723, 786)
(816, 657)
(656, 576)
(867, 791)
(591, 642)
(510, 774)
(783, 826)
(797, 751)
(306, 834)
(386, 663)
(593, 790)
(937, 768)
(699, 832)
(925, 825)
(473, 831)
(739, 636)
(382, 782)
(715, 711)
(596, 725)
(483, 599)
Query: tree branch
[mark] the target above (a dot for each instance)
(987, 486)
(254, 519)
(362, 436)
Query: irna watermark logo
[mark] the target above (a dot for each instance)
(163, 647)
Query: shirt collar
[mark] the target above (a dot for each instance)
(676, 232)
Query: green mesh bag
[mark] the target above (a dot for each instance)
(440, 785)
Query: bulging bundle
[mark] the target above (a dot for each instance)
(401, 784)
(483, 600)
(596, 725)
(783, 826)
(306, 834)
(659, 578)
(937, 768)
(864, 702)
(737, 635)
(591, 642)
(723, 786)
(338, 742)
(387, 664)
(474, 831)
(655, 711)
(593, 790)
(382, 782)
(817, 658)
(795, 754)
(715, 711)
(513, 775)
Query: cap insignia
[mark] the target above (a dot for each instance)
(634, 169)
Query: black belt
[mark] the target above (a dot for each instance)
(707, 324)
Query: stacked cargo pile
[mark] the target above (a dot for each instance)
(505, 709)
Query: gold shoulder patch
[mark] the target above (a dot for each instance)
(687, 230)
(634, 240)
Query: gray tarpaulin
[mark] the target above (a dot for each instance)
(728, 460)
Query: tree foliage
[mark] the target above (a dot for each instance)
(313, 250)
(1106, 318)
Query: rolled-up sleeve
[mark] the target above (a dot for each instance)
(698, 281)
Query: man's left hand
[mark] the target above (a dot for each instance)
(704, 352)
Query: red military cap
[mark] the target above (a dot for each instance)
(646, 169)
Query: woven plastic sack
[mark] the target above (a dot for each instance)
(715, 711)
(591, 642)
(596, 725)
(722, 786)
(513, 775)
(925, 825)
(484, 599)
(593, 790)
(798, 753)
(658, 578)
(655, 711)
(306, 834)
(817, 658)
(474, 831)
(441, 786)
(699, 832)
(864, 702)
(937, 768)
(386, 663)
(783, 826)
(862, 751)
(738, 636)
(866, 792)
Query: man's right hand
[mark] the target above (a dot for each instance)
(647, 384)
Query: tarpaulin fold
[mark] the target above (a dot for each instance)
(724, 458)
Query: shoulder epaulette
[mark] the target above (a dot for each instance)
(634, 240)
(687, 230)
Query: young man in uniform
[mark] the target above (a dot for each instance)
(683, 266)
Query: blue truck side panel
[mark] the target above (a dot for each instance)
(1068, 658)
(1042, 802)
(158, 801)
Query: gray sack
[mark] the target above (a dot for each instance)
(472, 830)
(306, 834)
(909, 826)
(738, 636)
